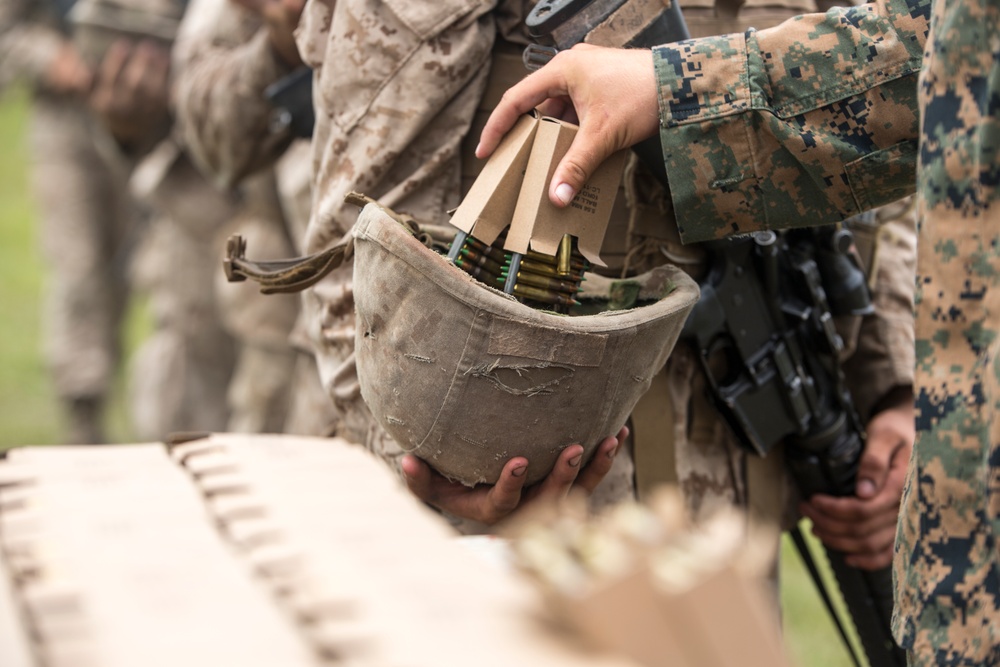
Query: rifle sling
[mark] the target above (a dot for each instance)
(804, 552)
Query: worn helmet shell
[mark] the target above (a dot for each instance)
(465, 377)
(99, 23)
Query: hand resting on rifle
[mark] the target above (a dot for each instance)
(863, 526)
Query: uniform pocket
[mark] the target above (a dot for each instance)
(883, 176)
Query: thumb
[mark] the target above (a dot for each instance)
(417, 476)
(873, 469)
(575, 169)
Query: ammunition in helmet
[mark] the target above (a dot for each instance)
(515, 264)
(543, 296)
(565, 256)
(493, 252)
(577, 263)
(456, 245)
(474, 258)
(481, 273)
(546, 283)
(542, 269)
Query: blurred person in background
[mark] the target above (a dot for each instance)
(88, 221)
(105, 160)
(226, 60)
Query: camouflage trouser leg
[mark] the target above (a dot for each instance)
(84, 223)
(180, 375)
(310, 411)
(259, 392)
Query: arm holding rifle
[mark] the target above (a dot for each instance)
(879, 373)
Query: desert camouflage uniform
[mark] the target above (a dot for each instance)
(88, 222)
(831, 114)
(180, 375)
(223, 64)
(397, 86)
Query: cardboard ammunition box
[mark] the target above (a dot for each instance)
(512, 189)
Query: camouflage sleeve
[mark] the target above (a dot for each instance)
(223, 63)
(811, 121)
(27, 46)
(884, 354)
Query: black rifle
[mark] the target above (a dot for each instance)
(292, 99)
(764, 333)
(766, 339)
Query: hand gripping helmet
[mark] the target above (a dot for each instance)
(466, 377)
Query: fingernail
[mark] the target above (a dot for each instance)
(614, 452)
(479, 147)
(519, 471)
(575, 461)
(865, 488)
(564, 193)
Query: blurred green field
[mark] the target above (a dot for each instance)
(29, 413)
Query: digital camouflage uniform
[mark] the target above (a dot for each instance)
(88, 223)
(831, 114)
(223, 64)
(704, 458)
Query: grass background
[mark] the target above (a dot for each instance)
(29, 413)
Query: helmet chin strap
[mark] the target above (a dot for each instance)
(287, 276)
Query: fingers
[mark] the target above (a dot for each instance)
(491, 504)
(867, 544)
(862, 528)
(890, 440)
(601, 463)
(612, 93)
(844, 517)
(872, 553)
(133, 78)
(111, 68)
(486, 504)
(418, 477)
(524, 96)
(558, 482)
(505, 496)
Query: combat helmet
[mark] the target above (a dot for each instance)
(467, 377)
(98, 23)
